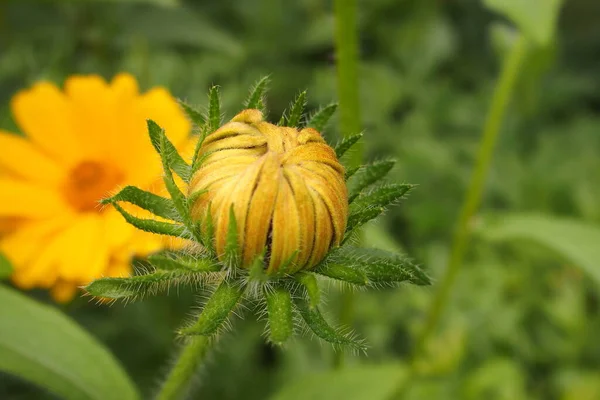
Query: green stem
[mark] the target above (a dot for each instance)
(346, 44)
(501, 97)
(188, 361)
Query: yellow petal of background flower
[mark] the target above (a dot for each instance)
(21, 158)
(24, 199)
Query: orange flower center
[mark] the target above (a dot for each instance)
(89, 182)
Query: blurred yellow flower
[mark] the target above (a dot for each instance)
(81, 145)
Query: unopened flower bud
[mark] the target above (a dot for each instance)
(286, 187)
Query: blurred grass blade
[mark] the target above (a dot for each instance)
(41, 345)
(368, 175)
(216, 310)
(320, 119)
(345, 144)
(279, 308)
(175, 160)
(256, 97)
(153, 226)
(321, 328)
(576, 241)
(157, 205)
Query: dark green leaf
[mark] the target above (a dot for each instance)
(175, 160)
(343, 273)
(361, 217)
(350, 172)
(368, 175)
(320, 119)
(157, 205)
(45, 347)
(345, 144)
(381, 196)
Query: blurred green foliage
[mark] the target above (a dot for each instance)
(523, 322)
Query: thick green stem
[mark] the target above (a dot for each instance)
(501, 97)
(346, 44)
(190, 358)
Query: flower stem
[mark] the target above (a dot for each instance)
(346, 45)
(501, 97)
(189, 359)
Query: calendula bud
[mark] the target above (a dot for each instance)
(285, 186)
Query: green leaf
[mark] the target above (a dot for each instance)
(207, 234)
(138, 286)
(351, 171)
(175, 160)
(381, 196)
(537, 19)
(296, 110)
(368, 175)
(321, 328)
(157, 205)
(345, 144)
(343, 273)
(174, 262)
(279, 307)
(310, 284)
(320, 119)
(576, 241)
(214, 109)
(365, 382)
(41, 345)
(358, 218)
(6, 268)
(153, 226)
(255, 98)
(194, 115)
(216, 310)
(232, 246)
(179, 200)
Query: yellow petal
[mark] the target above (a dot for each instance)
(63, 291)
(22, 199)
(44, 115)
(286, 228)
(21, 158)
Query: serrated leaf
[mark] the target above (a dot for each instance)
(279, 308)
(368, 175)
(320, 119)
(183, 262)
(194, 115)
(378, 266)
(345, 144)
(6, 268)
(232, 246)
(214, 109)
(537, 19)
(576, 241)
(381, 196)
(351, 171)
(134, 286)
(343, 273)
(216, 310)
(175, 160)
(361, 217)
(255, 98)
(321, 328)
(295, 112)
(157, 205)
(151, 225)
(43, 346)
(310, 284)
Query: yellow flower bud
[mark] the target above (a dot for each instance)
(286, 187)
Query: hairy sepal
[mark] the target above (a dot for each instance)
(320, 118)
(279, 308)
(158, 205)
(178, 164)
(367, 175)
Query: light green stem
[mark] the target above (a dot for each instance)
(501, 97)
(346, 46)
(190, 358)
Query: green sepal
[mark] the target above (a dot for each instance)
(232, 246)
(368, 175)
(345, 144)
(379, 266)
(216, 310)
(157, 205)
(257, 272)
(350, 172)
(381, 196)
(183, 262)
(320, 118)
(358, 218)
(177, 196)
(195, 195)
(197, 158)
(255, 98)
(153, 226)
(321, 328)
(176, 162)
(310, 284)
(214, 109)
(293, 116)
(279, 308)
(135, 286)
(207, 232)
(193, 114)
(342, 272)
